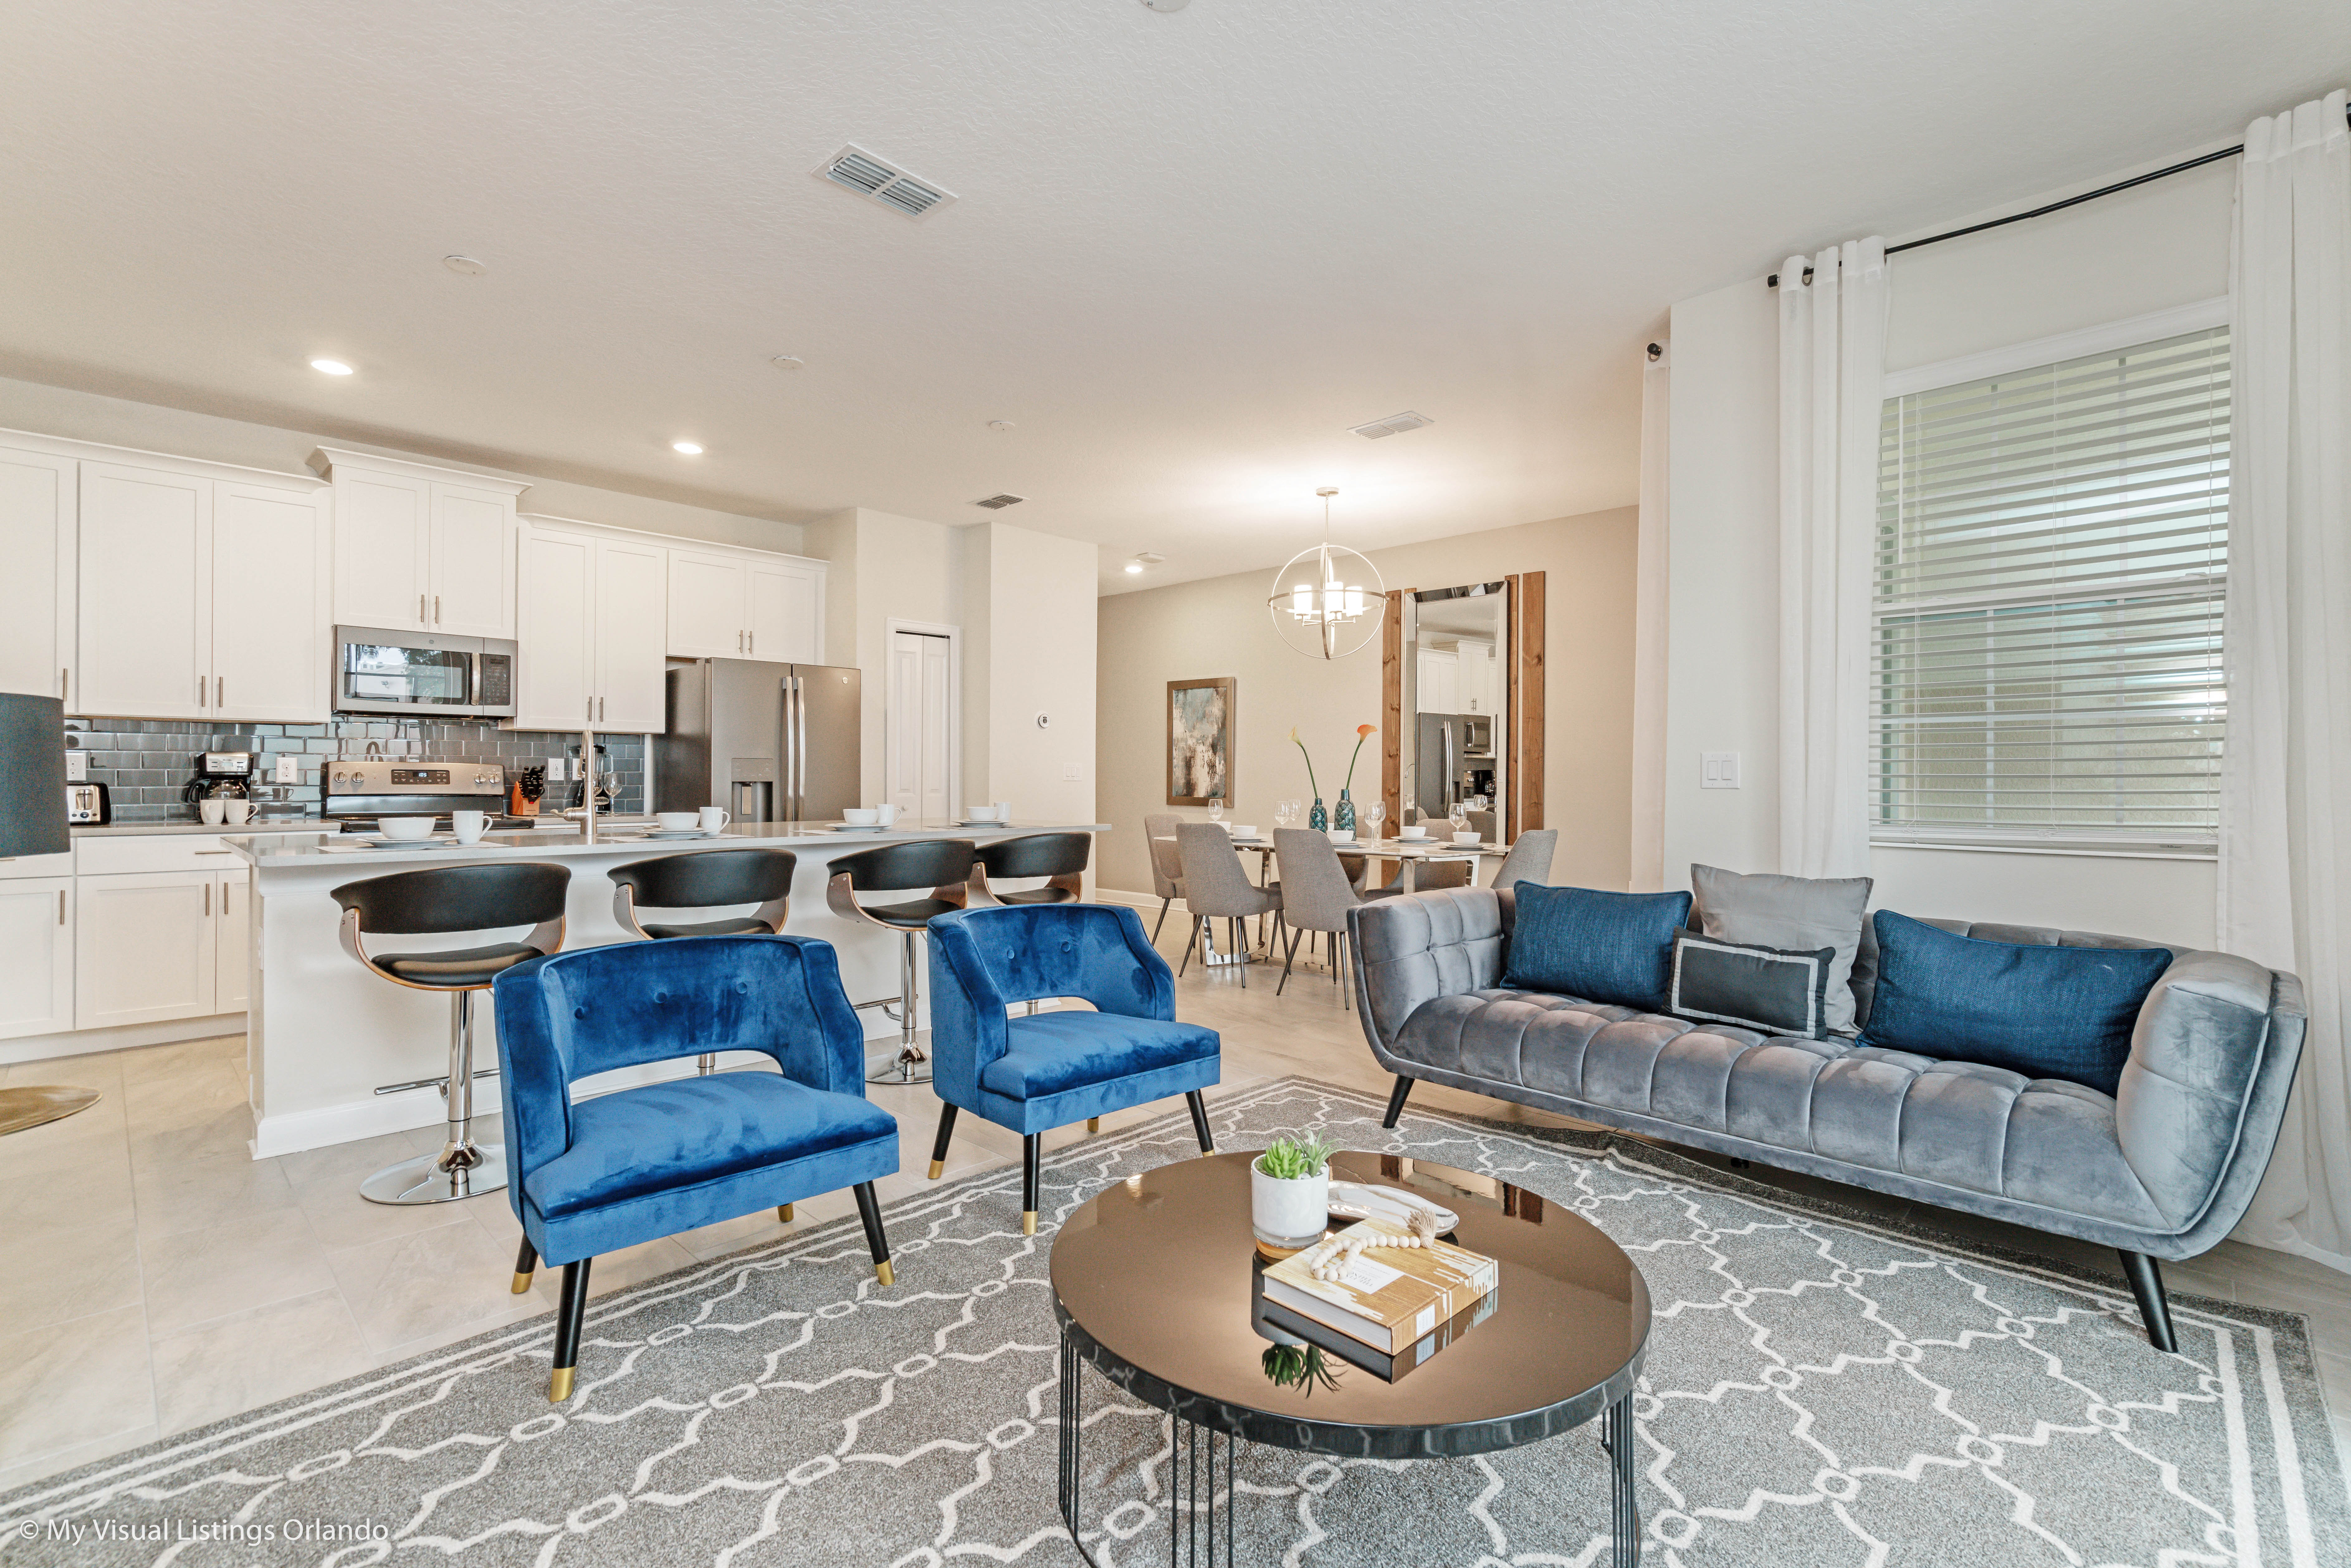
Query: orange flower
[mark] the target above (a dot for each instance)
(1364, 731)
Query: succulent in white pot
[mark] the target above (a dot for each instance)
(1289, 1191)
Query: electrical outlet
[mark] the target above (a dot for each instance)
(289, 770)
(76, 766)
(1071, 774)
(1718, 770)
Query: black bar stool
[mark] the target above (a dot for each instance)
(942, 865)
(433, 902)
(1060, 856)
(710, 879)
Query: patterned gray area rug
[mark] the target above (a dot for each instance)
(1820, 1389)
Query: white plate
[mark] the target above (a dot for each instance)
(1354, 1200)
(856, 827)
(678, 833)
(375, 841)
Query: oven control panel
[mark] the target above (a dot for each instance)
(375, 776)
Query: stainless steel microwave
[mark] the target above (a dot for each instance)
(421, 675)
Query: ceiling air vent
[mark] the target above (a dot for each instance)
(887, 183)
(998, 502)
(1394, 424)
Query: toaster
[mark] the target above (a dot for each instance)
(89, 806)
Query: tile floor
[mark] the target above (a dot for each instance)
(158, 1278)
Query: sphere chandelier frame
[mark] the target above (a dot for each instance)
(1315, 609)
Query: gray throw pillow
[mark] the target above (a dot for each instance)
(1789, 913)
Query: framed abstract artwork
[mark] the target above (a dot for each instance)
(1199, 741)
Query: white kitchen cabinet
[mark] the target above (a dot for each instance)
(145, 621)
(555, 677)
(785, 612)
(421, 548)
(146, 948)
(632, 601)
(272, 644)
(36, 955)
(232, 939)
(37, 590)
(709, 596)
(1440, 683)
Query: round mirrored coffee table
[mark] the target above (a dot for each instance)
(1157, 1286)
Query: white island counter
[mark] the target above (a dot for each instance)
(323, 1033)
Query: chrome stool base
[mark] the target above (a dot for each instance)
(425, 1179)
(901, 1069)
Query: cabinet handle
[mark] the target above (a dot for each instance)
(200, 691)
(61, 906)
(751, 642)
(436, 609)
(420, 609)
(208, 898)
(64, 686)
(220, 691)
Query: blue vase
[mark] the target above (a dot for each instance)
(1318, 819)
(1345, 820)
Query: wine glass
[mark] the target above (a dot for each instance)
(1372, 813)
(1285, 811)
(1217, 809)
(1460, 815)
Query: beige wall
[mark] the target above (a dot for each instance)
(1219, 627)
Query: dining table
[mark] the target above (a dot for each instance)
(1410, 854)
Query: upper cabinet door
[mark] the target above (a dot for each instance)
(271, 642)
(632, 600)
(383, 543)
(706, 604)
(556, 673)
(37, 588)
(473, 587)
(145, 615)
(786, 612)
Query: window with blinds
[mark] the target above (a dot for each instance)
(2052, 550)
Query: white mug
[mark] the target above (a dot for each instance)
(885, 813)
(712, 818)
(470, 826)
(237, 810)
(1004, 810)
(211, 810)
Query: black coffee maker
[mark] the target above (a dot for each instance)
(225, 773)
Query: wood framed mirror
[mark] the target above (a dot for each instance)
(1462, 699)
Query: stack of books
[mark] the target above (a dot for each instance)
(1400, 1304)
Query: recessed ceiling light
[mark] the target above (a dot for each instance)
(686, 448)
(465, 265)
(999, 426)
(1133, 567)
(788, 362)
(331, 367)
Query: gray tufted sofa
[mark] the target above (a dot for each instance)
(2163, 1168)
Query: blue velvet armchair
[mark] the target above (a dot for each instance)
(608, 1172)
(1048, 1070)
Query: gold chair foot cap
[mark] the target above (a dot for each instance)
(784, 1212)
(522, 1283)
(883, 1272)
(938, 1169)
(1028, 1222)
(1094, 1124)
(559, 1385)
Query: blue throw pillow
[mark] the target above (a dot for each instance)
(2047, 1012)
(1602, 946)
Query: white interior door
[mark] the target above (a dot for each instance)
(632, 596)
(787, 607)
(705, 606)
(36, 535)
(556, 678)
(271, 651)
(145, 609)
(37, 989)
(144, 947)
(918, 760)
(383, 550)
(473, 562)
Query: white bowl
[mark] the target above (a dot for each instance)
(676, 821)
(1467, 839)
(1412, 832)
(1244, 830)
(979, 813)
(404, 827)
(855, 816)
(1339, 837)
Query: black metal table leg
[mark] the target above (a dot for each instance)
(1623, 1505)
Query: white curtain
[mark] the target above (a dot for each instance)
(1831, 370)
(2285, 794)
(1651, 644)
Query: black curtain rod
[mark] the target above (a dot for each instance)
(1773, 281)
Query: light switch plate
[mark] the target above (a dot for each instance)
(555, 766)
(1718, 770)
(76, 766)
(1070, 773)
(289, 770)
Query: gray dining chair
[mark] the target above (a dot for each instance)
(1216, 887)
(1530, 858)
(1482, 825)
(1316, 893)
(1167, 862)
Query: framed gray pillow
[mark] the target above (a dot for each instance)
(1768, 990)
(1789, 912)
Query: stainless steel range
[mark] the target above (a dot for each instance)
(356, 793)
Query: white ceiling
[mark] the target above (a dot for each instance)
(1188, 251)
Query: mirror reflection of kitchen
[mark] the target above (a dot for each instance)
(1456, 702)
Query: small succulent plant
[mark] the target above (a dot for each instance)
(1295, 1156)
(1300, 1366)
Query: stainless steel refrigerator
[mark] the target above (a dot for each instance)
(770, 743)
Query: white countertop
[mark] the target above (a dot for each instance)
(125, 829)
(276, 850)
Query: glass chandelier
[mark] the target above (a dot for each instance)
(1328, 601)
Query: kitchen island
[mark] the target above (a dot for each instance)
(322, 1033)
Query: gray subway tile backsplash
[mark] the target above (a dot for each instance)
(144, 763)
